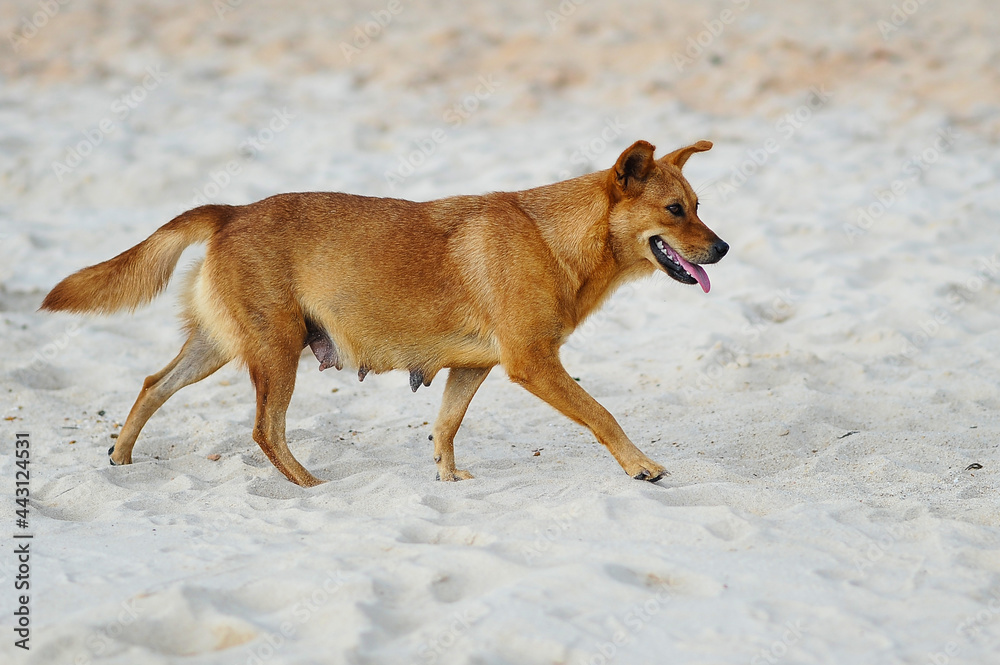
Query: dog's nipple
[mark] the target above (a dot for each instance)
(416, 379)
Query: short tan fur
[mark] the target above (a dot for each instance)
(464, 283)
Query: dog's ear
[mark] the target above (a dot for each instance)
(633, 167)
(679, 157)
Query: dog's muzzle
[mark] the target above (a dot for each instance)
(680, 268)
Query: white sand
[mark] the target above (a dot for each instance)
(817, 409)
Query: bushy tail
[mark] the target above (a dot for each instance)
(136, 276)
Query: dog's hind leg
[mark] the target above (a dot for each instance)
(463, 382)
(273, 376)
(198, 358)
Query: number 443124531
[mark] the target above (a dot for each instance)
(22, 451)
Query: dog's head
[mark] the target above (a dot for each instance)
(654, 214)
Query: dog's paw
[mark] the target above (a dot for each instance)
(645, 475)
(650, 472)
(457, 474)
(111, 458)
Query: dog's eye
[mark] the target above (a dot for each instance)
(676, 210)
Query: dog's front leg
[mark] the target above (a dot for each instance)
(545, 377)
(463, 382)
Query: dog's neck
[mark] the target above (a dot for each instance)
(573, 218)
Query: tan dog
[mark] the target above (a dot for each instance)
(466, 282)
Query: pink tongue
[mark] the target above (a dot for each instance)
(695, 271)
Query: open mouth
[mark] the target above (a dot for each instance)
(677, 266)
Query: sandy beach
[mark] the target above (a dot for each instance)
(828, 412)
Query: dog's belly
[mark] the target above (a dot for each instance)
(392, 305)
(411, 342)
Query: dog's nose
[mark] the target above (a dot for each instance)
(719, 249)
